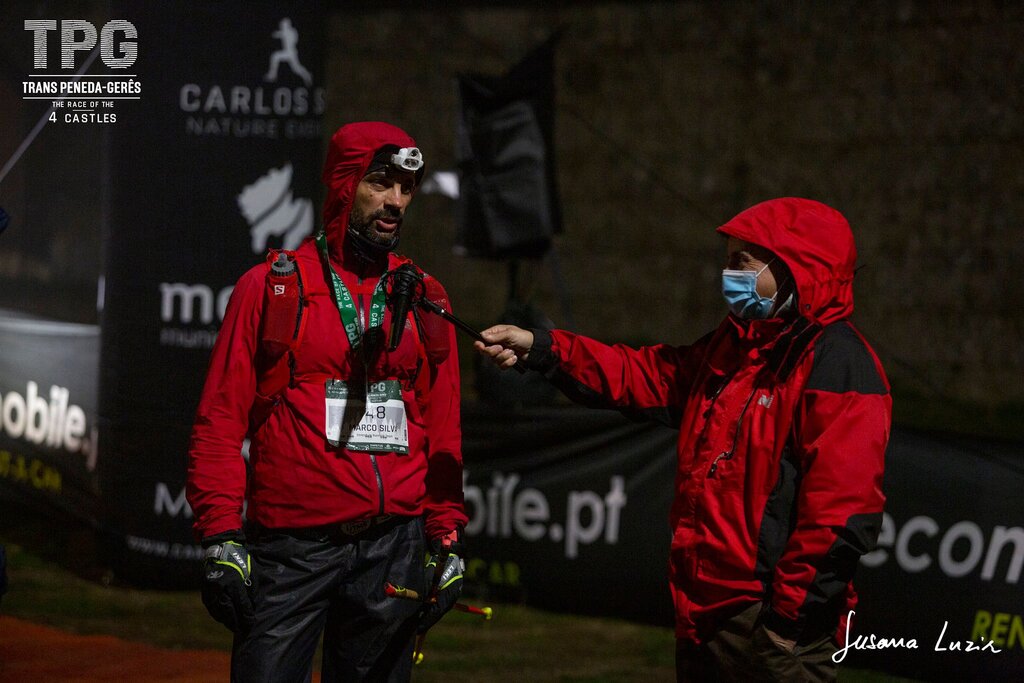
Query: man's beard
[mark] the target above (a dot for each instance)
(363, 226)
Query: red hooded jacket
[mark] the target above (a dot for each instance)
(783, 425)
(297, 478)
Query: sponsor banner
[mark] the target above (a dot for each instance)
(948, 569)
(568, 510)
(219, 161)
(48, 415)
(50, 163)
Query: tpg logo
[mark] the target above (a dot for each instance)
(78, 35)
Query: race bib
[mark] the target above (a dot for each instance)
(372, 421)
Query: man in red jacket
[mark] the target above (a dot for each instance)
(783, 414)
(355, 455)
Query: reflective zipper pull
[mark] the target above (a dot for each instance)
(714, 464)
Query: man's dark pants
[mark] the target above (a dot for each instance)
(313, 581)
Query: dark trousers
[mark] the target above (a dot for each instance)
(316, 581)
(740, 650)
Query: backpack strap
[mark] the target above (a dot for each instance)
(278, 354)
(277, 369)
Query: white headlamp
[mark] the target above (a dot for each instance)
(408, 159)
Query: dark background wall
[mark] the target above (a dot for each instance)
(671, 117)
(674, 116)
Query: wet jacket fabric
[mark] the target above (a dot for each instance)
(297, 478)
(783, 425)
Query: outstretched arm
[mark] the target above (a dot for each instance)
(650, 382)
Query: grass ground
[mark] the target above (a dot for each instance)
(519, 645)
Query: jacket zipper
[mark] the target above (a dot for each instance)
(373, 457)
(707, 411)
(302, 291)
(727, 455)
(298, 328)
(380, 483)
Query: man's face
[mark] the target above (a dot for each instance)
(742, 255)
(380, 203)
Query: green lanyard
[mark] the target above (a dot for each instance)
(343, 299)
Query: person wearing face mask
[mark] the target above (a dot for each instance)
(783, 414)
(355, 454)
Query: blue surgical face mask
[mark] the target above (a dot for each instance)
(739, 287)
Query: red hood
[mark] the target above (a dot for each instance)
(348, 155)
(815, 242)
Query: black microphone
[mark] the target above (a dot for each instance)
(405, 283)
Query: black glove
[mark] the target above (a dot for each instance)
(444, 569)
(227, 581)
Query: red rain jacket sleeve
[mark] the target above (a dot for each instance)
(841, 429)
(444, 505)
(216, 470)
(651, 381)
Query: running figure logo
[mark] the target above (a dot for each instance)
(288, 53)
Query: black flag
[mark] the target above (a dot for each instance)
(508, 201)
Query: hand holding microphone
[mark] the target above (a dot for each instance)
(505, 345)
